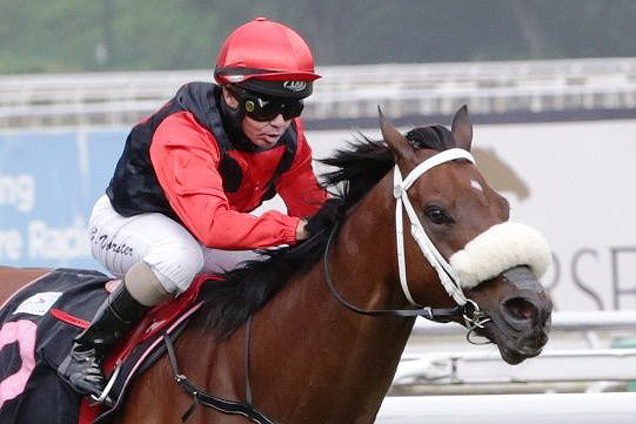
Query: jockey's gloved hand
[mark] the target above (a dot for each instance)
(301, 231)
(330, 213)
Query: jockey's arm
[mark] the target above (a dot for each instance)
(298, 186)
(185, 160)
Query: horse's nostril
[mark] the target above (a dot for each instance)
(522, 309)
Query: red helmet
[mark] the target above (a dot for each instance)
(268, 58)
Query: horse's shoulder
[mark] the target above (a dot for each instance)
(12, 279)
(21, 274)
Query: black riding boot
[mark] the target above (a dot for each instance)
(82, 368)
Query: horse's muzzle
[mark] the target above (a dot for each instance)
(520, 312)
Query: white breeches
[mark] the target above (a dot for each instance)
(172, 253)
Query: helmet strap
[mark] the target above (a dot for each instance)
(233, 125)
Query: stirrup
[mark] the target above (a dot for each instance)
(104, 399)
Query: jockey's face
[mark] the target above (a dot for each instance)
(263, 134)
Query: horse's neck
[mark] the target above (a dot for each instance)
(339, 362)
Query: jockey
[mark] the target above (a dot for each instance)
(189, 176)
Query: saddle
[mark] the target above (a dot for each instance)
(39, 324)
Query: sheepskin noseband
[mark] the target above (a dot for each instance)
(501, 247)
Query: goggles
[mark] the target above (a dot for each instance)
(263, 108)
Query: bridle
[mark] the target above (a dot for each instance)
(466, 308)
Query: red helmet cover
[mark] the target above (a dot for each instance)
(267, 51)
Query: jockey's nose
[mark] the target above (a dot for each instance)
(278, 121)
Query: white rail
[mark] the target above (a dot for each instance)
(570, 408)
(345, 92)
(488, 368)
(561, 322)
(578, 351)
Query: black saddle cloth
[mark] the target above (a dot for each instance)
(44, 398)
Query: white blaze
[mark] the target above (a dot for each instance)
(474, 184)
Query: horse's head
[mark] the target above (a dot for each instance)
(464, 240)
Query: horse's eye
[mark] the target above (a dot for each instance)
(438, 215)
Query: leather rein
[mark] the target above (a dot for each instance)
(441, 315)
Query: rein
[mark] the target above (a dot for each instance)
(469, 311)
(438, 315)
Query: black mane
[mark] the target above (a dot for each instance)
(359, 166)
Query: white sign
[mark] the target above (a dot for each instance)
(575, 183)
(38, 304)
(578, 187)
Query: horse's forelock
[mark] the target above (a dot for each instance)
(435, 137)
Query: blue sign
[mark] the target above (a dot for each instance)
(49, 181)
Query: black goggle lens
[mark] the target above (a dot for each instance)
(265, 109)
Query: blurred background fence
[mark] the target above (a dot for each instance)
(348, 96)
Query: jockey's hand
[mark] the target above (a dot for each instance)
(325, 219)
(301, 230)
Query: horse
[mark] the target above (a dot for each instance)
(314, 333)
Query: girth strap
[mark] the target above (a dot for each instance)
(200, 397)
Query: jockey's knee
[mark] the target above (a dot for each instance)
(175, 266)
(144, 286)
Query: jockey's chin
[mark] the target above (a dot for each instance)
(266, 140)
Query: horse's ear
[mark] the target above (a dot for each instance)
(396, 141)
(462, 128)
